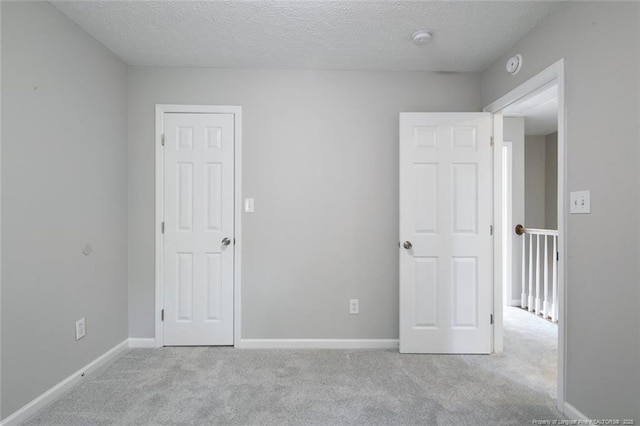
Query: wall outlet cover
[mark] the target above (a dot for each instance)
(354, 306)
(81, 329)
(580, 202)
(249, 205)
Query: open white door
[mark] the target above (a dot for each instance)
(446, 249)
(198, 228)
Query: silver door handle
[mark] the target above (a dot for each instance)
(407, 245)
(226, 241)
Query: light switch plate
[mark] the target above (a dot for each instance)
(354, 306)
(249, 205)
(580, 202)
(81, 329)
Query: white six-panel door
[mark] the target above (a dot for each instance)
(198, 228)
(446, 252)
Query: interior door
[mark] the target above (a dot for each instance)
(446, 248)
(198, 228)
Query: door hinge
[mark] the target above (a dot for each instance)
(162, 315)
(491, 141)
(491, 229)
(162, 227)
(163, 139)
(557, 256)
(491, 319)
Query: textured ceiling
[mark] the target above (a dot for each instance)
(301, 34)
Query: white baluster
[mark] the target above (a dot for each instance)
(554, 307)
(523, 294)
(547, 305)
(538, 307)
(530, 296)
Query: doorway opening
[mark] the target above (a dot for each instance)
(530, 177)
(530, 199)
(529, 202)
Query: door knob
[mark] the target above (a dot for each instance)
(407, 245)
(226, 241)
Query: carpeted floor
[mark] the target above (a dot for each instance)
(205, 386)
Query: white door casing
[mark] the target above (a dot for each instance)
(198, 215)
(553, 74)
(446, 217)
(507, 223)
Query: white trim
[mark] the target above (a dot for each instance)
(563, 203)
(161, 109)
(516, 302)
(507, 219)
(237, 254)
(318, 344)
(572, 412)
(137, 342)
(0, 221)
(158, 234)
(537, 231)
(64, 386)
(529, 88)
(498, 130)
(554, 74)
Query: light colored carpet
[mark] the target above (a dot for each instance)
(204, 386)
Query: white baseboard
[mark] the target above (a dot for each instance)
(572, 412)
(317, 344)
(516, 302)
(137, 342)
(65, 385)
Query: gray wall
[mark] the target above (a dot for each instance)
(320, 157)
(603, 350)
(551, 181)
(514, 132)
(541, 181)
(534, 181)
(64, 156)
(1, 416)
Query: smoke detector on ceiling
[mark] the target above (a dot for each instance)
(514, 64)
(421, 37)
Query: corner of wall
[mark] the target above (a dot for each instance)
(1, 413)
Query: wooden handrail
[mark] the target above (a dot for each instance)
(535, 231)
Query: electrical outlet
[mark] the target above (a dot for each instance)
(81, 329)
(354, 306)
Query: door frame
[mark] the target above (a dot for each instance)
(554, 74)
(507, 207)
(161, 109)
